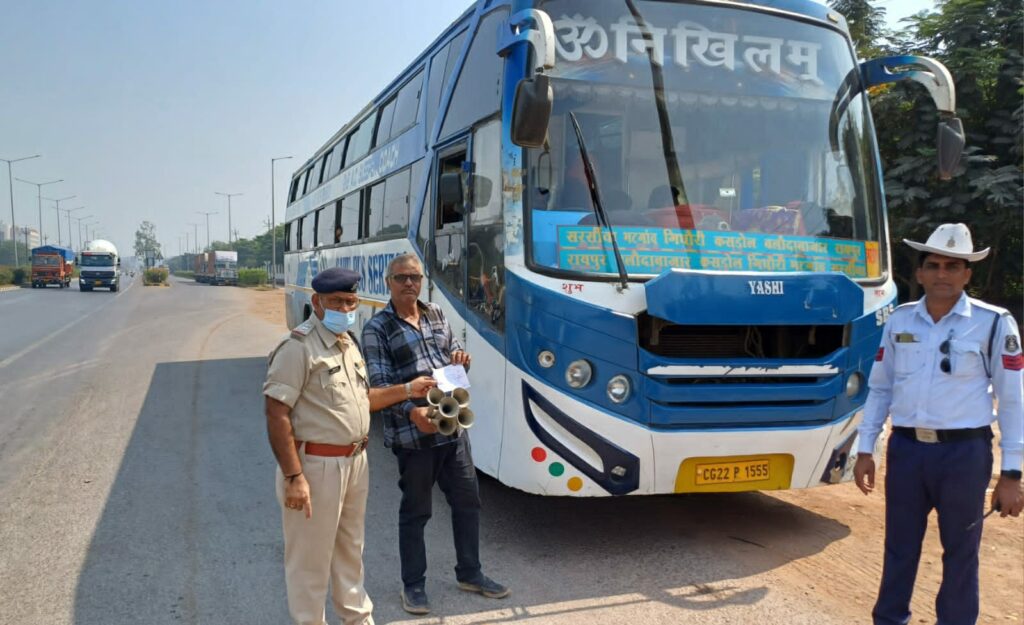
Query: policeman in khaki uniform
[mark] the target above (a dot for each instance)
(941, 360)
(318, 407)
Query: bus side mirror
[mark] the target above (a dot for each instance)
(531, 111)
(950, 144)
(449, 189)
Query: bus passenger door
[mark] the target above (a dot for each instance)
(447, 255)
(467, 270)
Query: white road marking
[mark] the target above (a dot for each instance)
(55, 334)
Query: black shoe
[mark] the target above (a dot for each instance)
(414, 600)
(486, 587)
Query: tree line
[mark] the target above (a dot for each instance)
(254, 252)
(981, 43)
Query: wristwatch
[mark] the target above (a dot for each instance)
(408, 393)
(1011, 473)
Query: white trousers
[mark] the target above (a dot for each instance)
(329, 546)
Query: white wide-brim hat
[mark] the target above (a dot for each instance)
(953, 240)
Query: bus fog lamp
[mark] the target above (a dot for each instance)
(546, 359)
(853, 384)
(618, 389)
(577, 374)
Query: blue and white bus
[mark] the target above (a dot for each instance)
(658, 226)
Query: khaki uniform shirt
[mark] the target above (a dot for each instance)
(322, 378)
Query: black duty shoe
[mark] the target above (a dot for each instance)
(414, 600)
(486, 587)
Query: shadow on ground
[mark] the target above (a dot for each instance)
(191, 530)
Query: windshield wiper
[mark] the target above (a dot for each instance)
(668, 144)
(595, 197)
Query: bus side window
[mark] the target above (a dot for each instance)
(298, 232)
(350, 217)
(288, 245)
(478, 90)
(326, 226)
(449, 232)
(307, 237)
(485, 253)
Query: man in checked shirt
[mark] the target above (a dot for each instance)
(939, 358)
(406, 340)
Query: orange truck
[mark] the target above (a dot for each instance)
(52, 264)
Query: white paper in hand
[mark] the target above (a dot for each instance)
(451, 377)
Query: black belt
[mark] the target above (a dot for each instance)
(925, 435)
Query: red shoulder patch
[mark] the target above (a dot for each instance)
(1013, 363)
(880, 355)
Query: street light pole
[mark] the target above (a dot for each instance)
(81, 244)
(68, 211)
(208, 228)
(58, 214)
(195, 234)
(39, 197)
(228, 196)
(10, 189)
(273, 224)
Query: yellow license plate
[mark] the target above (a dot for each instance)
(732, 472)
(735, 473)
(99, 282)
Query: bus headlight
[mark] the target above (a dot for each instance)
(853, 384)
(618, 389)
(577, 374)
(546, 359)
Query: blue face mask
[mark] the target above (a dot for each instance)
(338, 322)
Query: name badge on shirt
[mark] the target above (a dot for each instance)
(334, 370)
(906, 337)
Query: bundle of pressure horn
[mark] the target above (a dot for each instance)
(448, 413)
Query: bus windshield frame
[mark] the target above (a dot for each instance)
(709, 130)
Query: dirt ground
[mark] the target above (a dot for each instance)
(268, 305)
(844, 576)
(847, 572)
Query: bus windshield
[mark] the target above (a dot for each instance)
(97, 260)
(709, 132)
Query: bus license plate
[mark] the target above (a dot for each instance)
(733, 472)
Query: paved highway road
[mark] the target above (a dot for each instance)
(137, 487)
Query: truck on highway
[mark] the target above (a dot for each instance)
(99, 263)
(217, 267)
(52, 264)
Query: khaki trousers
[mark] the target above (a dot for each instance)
(329, 546)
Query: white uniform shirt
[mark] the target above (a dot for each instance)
(908, 384)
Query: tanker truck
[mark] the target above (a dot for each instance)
(98, 265)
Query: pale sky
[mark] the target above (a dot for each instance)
(146, 108)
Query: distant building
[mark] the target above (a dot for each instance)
(29, 236)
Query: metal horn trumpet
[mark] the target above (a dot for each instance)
(434, 396)
(466, 418)
(461, 395)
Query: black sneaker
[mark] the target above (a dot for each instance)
(486, 587)
(414, 601)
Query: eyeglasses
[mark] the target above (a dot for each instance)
(945, 365)
(402, 278)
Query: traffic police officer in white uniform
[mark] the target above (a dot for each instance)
(940, 360)
(318, 407)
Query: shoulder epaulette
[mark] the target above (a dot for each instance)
(302, 330)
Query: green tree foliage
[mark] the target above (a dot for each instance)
(145, 242)
(7, 252)
(254, 252)
(867, 26)
(980, 42)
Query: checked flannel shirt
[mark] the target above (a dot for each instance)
(396, 353)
